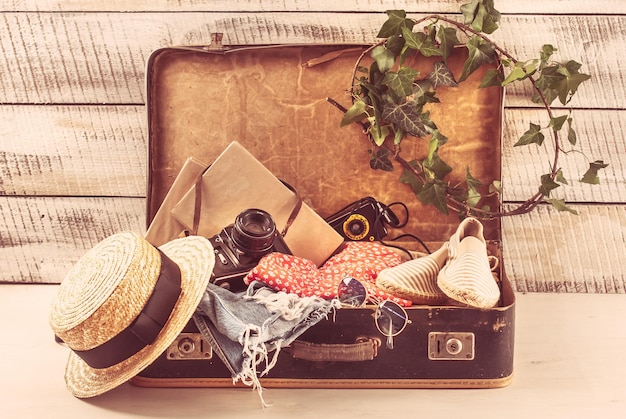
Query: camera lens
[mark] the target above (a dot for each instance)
(253, 232)
(356, 227)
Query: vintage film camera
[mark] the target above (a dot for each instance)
(239, 247)
(365, 220)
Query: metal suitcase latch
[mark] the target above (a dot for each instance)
(189, 346)
(451, 346)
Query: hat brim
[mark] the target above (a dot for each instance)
(195, 257)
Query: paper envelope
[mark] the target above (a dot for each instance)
(164, 227)
(237, 181)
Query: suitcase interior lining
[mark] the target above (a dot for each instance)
(274, 106)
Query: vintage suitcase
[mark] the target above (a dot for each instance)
(273, 100)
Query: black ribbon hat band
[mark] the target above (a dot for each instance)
(146, 326)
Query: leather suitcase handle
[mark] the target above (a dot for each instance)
(365, 349)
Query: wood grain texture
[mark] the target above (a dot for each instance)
(42, 237)
(439, 6)
(73, 126)
(600, 135)
(546, 251)
(73, 150)
(100, 57)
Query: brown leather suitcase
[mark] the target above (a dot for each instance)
(273, 100)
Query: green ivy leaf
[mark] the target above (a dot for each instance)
(546, 52)
(481, 15)
(442, 76)
(480, 52)
(385, 59)
(473, 196)
(435, 194)
(428, 123)
(396, 21)
(379, 133)
(560, 178)
(395, 44)
(560, 81)
(547, 185)
(521, 71)
(439, 137)
(557, 122)
(516, 74)
(422, 93)
(447, 40)
(571, 86)
(398, 136)
(402, 81)
(471, 180)
(591, 175)
(491, 78)
(420, 42)
(469, 10)
(435, 167)
(496, 186)
(559, 205)
(405, 117)
(437, 140)
(549, 94)
(356, 113)
(571, 134)
(379, 160)
(533, 135)
(410, 179)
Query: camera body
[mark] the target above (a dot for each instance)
(239, 247)
(364, 220)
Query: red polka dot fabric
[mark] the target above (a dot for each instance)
(361, 260)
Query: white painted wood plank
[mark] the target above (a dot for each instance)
(73, 150)
(596, 42)
(600, 137)
(101, 57)
(547, 251)
(439, 6)
(42, 237)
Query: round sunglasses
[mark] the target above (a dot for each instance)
(390, 317)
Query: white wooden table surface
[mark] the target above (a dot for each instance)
(569, 363)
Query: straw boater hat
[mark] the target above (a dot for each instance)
(124, 303)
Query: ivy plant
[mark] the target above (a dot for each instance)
(390, 101)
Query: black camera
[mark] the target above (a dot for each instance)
(365, 220)
(239, 247)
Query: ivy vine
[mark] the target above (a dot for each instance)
(390, 102)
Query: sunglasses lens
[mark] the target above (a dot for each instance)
(351, 292)
(391, 319)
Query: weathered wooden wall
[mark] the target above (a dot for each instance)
(73, 125)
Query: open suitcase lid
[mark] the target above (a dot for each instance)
(273, 100)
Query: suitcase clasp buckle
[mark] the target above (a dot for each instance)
(216, 42)
(451, 346)
(189, 346)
